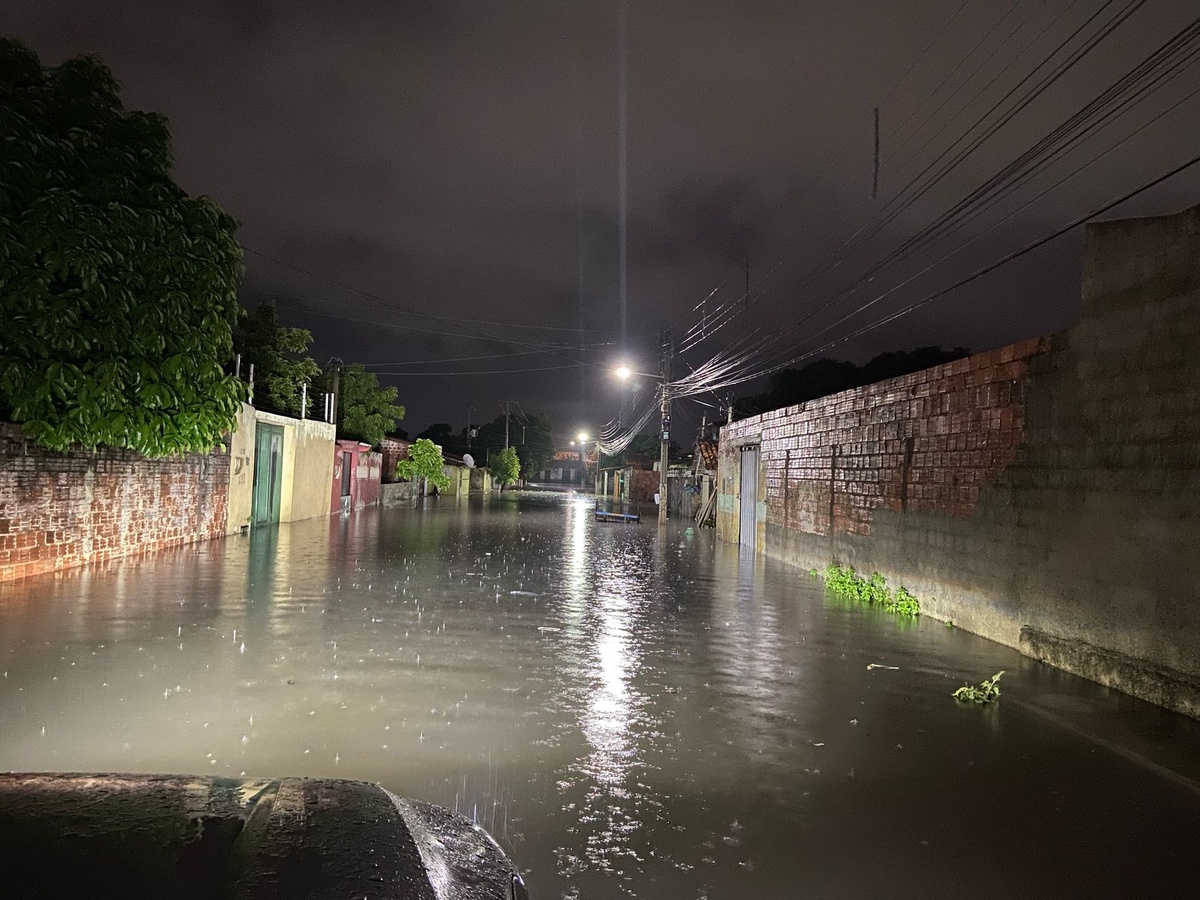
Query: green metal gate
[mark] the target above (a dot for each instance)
(268, 473)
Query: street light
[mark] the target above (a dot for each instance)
(582, 436)
(624, 372)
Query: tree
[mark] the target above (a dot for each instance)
(505, 466)
(424, 461)
(536, 446)
(280, 357)
(440, 433)
(530, 434)
(823, 377)
(118, 291)
(366, 411)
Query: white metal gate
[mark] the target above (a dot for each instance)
(747, 514)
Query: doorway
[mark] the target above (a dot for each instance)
(748, 506)
(268, 473)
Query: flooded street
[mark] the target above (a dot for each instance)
(629, 712)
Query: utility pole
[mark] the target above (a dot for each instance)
(665, 449)
(337, 364)
(875, 177)
(507, 405)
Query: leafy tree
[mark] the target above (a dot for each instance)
(537, 444)
(366, 411)
(118, 291)
(280, 357)
(424, 461)
(505, 466)
(530, 434)
(441, 433)
(823, 377)
(648, 448)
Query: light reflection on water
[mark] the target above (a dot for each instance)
(629, 711)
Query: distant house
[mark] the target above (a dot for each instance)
(565, 467)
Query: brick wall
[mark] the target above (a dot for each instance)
(392, 450)
(1045, 495)
(925, 442)
(59, 510)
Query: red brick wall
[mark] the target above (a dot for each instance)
(392, 450)
(1045, 495)
(59, 510)
(923, 442)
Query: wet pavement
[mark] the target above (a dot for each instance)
(630, 712)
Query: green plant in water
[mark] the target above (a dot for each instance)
(845, 582)
(988, 691)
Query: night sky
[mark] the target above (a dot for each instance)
(448, 171)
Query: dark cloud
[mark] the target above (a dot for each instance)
(460, 159)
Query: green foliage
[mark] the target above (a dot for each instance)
(118, 291)
(366, 411)
(424, 461)
(537, 444)
(845, 582)
(505, 466)
(280, 357)
(987, 692)
(531, 435)
(441, 433)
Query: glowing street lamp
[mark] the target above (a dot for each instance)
(624, 372)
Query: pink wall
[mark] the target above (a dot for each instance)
(365, 469)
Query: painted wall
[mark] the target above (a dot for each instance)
(59, 510)
(307, 467)
(241, 470)
(1045, 495)
(365, 467)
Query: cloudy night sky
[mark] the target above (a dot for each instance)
(435, 188)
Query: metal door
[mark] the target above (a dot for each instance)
(268, 473)
(347, 473)
(748, 512)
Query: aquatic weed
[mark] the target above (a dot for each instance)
(987, 692)
(845, 582)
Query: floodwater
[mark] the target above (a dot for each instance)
(630, 712)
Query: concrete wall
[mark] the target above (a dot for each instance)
(59, 510)
(241, 470)
(479, 481)
(366, 468)
(307, 467)
(1045, 495)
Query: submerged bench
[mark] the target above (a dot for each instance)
(187, 837)
(602, 516)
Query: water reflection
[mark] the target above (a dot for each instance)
(605, 591)
(628, 710)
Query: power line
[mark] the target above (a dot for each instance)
(979, 273)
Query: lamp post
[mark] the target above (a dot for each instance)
(583, 436)
(665, 449)
(624, 373)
